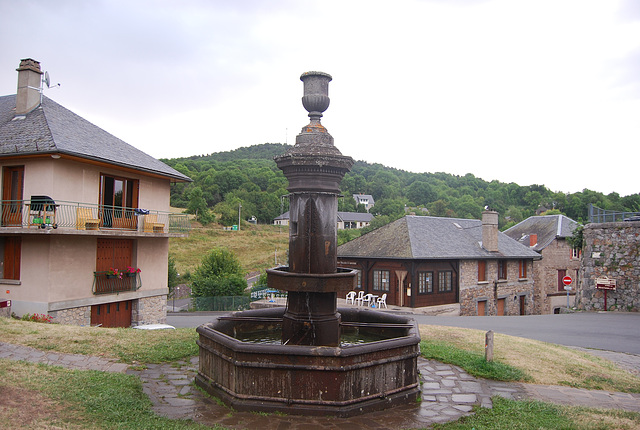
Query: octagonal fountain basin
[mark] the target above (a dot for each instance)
(243, 363)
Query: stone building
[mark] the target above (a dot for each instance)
(423, 261)
(611, 250)
(548, 235)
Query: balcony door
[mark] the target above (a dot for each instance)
(118, 197)
(12, 186)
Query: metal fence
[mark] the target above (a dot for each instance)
(47, 213)
(599, 215)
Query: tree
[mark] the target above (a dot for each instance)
(198, 206)
(172, 275)
(576, 239)
(220, 274)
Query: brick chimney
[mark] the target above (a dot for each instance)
(490, 231)
(533, 239)
(29, 81)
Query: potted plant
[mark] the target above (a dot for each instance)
(131, 271)
(113, 273)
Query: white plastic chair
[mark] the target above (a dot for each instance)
(351, 297)
(360, 298)
(367, 298)
(382, 301)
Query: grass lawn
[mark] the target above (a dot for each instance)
(124, 344)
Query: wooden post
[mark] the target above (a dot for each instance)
(488, 346)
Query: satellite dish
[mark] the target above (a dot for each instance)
(47, 80)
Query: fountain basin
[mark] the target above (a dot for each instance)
(312, 380)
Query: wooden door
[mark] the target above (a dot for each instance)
(12, 187)
(12, 254)
(117, 314)
(114, 253)
(501, 306)
(482, 308)
(522, 305)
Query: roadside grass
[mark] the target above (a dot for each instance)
(123, 344)
(472, 362)
(46, 397)
(526, 360)
(256, 246)
(533, 415)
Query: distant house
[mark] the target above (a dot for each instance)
(364, 199)
(78, 203)
(345, 220)
(548, 235)
(423, 261)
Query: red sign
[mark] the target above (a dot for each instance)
(5, 303)
(567, 280)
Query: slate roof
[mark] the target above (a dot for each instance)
(51, 128)
(432, 238)
(354, 216)
(547, 227)
(368, 197)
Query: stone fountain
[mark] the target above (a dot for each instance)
(310, 370)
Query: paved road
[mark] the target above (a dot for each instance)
(609, 331)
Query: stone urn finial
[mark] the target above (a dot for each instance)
(316, 93)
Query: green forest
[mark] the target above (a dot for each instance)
(248, 177)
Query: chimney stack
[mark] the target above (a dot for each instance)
(490, 231)
(29, 81)
(533, 239)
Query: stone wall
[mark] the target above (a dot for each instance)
(511, 289)
(72, 316)
(149, 310)
(612, 250)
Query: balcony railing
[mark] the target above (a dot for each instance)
(83, 216)
(104, 283)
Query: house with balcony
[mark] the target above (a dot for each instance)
(85, 221)
(421, 261)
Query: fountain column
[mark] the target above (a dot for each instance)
(314, 168)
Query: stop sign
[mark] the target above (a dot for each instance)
(567, 280)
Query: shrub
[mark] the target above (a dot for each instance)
(220, 274)
(41, 318)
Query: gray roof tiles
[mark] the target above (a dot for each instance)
(546, 227)
(52, 128)
(423, 237)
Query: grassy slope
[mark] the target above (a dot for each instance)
(255, 246)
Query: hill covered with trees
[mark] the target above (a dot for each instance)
(249, 177)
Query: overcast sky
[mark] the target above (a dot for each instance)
(525, 91)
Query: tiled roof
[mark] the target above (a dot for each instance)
(424, 237)
(51, 128)
(547, 227)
